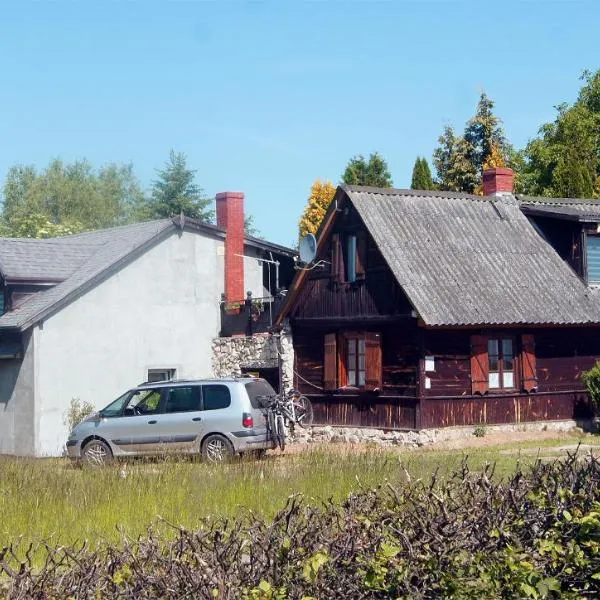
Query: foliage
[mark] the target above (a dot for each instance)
(78, 410)
(67, 198)
(564, 160)
(175, 191)
(480, 430)
(591, 379)
(373, 172)
(536, 535)
(460, 160)
(421, 175)
(321, 195)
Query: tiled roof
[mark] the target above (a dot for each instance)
(470, 260)
(79, 260)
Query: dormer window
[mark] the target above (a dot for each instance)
(593, 258)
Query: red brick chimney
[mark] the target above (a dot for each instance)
(230, 217)
(498, 179)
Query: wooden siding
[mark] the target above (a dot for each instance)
(365, 411)
(499, 408)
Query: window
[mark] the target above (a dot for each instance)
(350, 261)
(355, 361)
(348, 256)
(256, 389)
(501, 372)
(496, 365)
(183, 399)
(2, 303)
(155, 375)
(215, 397)
(593, 258)
(352, 360)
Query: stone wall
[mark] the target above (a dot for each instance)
(231, 354)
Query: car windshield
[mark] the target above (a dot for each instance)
(257, 388)
(115, 408)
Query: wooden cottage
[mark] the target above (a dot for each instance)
(435, 309)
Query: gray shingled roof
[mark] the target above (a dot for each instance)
(574, 209)
(470, 260)
(80, 260)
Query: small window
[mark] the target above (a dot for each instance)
(355, 365)
(215, 397)
(2, 302)
(183, 399)
(593, 258)
(258, 388)
(155, 375)
(350, 261)
(501, 359)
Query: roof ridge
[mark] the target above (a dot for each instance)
(416, 193)
(524, 199)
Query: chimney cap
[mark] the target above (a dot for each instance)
(226, 195)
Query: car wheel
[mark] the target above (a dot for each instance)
(216, 448)
(96, 453)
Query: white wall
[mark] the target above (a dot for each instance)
(162, 310)
(253, 274)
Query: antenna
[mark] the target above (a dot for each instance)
(307, 249)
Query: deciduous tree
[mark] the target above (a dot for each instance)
(321, 195)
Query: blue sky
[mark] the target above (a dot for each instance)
(264, 97)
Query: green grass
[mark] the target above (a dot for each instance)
(52, 500)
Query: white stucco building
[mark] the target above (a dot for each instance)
(88, 316)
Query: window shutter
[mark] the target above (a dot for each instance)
(373, 361)
(330, 363)
(479, 365)
(528, 362)
(337, 257)
(342, 354)
(361, 254)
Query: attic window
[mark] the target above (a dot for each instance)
(593, 258)
(348, 256)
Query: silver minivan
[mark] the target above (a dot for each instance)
(216, 418)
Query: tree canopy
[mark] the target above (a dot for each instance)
(68, 198)
(421, 175)
(176, 191)
(564, 159)
(374, 171)
(321, 195)
(459, 160)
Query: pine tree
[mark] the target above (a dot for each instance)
(374, 172)
(175, 191)
(421, 176)
(321, 195)
(459, 161)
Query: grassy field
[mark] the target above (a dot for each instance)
(52, 500)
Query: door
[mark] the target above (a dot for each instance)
(218, 416)
(135, 430)
(179, 426)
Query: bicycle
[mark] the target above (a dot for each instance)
(290, 409)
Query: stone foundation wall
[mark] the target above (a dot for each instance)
(230, 355)
(424, 437)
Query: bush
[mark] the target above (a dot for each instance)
(536, 535)
(78, 411)
(479, 431)
(591, 379)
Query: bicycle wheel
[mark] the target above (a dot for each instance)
(280, 431)
(304, 411)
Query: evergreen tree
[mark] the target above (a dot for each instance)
(373, 172)
(321, 195)
(421, 176)
(175, 191)
(459, 161)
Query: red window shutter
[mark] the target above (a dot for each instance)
(528, 362)
(479, 365)
(361, 254)
(330, 363)
(337, 257)
(373, 369)
(342, 350)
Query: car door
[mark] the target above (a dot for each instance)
(179, 426)
(138, 431)
(218, 415)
